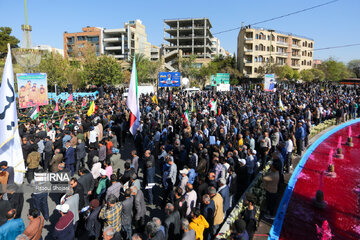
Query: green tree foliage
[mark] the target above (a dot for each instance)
(188, 68)
(354, 67)
(334, 70)
(206, 71)
(266, 69)
(284, 72)
(102, 70)
(6, 38)
(318, 74)
(147, 70)
(56, 68)
(307, 75)
(296, 75)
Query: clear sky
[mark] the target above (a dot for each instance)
(331, 25)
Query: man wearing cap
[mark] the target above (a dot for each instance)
(64, 229)
(92, 224)
(184, 178)
(101, 188)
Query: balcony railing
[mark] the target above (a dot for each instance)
(281, 43)
(248, 39)
(282, 53)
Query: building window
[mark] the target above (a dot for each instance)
(261, 59)
(256, 47)
(268, 49)
(255, 70)
(267, 59)
(80, 38)
(255, 59)
(268, 37)
(261, 47)
(257, 36)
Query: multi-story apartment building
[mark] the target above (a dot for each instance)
(216, 49)
(154, 53)
(124, 42)
(257, 47)
(186, 37)
(121, 43)
(75, 43)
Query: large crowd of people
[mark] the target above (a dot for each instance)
(189, 162)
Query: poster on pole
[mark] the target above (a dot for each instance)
(169, 79)
(32, 89)
(269, 82)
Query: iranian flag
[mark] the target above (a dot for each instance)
(133, 100)
(213, 106)
(34, 112)
(69, 100)
(186, 116)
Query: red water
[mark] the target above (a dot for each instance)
(342, 194)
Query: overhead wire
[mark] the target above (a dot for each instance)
(279, 17)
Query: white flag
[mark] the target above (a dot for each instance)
(10, 146)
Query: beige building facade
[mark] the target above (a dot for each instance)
(257, 47)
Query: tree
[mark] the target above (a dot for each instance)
(206, 72)
(284, 72)
(334, 70)
(188, 68)
(5, 38)
(55, 66)
(307, 75)
(105, 70)
(267, 68)
(354, 67)
(318, 74)
(296, 75)
(143, 65)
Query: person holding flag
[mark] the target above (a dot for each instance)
(56, 110)
(34, 112)
(83, 105)
(133, 101)
(91, 109)
(10, 146)
(155, 100)
(69, 100)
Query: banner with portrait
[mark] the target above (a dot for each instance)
(32, 89)
(269, 82)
